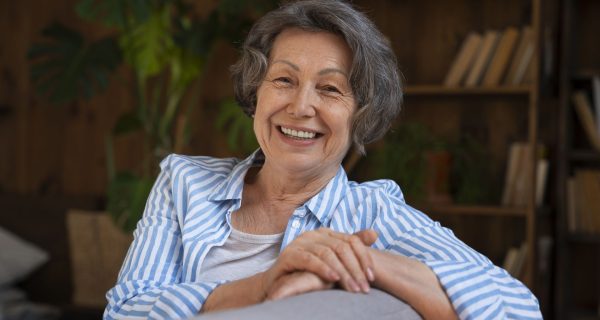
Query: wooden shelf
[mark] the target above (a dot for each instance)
(439, 90)
(583, 314)
(586, 73)
(581, 237)
(584, 155)
(475, 210)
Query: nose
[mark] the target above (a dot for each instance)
(303, 103)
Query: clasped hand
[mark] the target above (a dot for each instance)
(318, 260)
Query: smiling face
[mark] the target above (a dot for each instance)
(305, 103)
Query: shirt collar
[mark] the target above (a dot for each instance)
(322, 205)
(231, 187)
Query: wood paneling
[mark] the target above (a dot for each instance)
(46, 149)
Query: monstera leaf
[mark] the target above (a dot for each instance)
(66, 67)
(115, 13)
(149, 45)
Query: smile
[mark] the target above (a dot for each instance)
(298, 134)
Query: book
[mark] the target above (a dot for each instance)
(572, 218)
(586, 117)
(541, 178)
(521, 59)
(520, 261)
(522, 183)
(482, 60)
(596, 100)
(514, 260)
(501, 57)
(587, 187)
(510, 259)
(528, 76)
(463, 60)
(512, 167)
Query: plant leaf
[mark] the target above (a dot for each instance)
(149, 46)
(65, 68)
(128, 122)
(115, 13)
(237, 126)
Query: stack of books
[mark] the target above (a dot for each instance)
(517, 182)
(583, 199)
(589, 112)
(494, 58)
(514, 261)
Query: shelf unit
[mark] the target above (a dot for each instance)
(579, 61)
(476, 210)
(438, 90)
(426, 36)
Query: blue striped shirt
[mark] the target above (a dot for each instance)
(189, 211)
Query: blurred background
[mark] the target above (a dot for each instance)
(499, 137)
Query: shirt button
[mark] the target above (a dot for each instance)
(295, 224)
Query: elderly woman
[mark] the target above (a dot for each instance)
(317, 77)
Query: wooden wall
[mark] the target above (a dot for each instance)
(47, 149)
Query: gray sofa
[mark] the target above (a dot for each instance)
(324, 305)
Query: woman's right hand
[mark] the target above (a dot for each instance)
(332, 256)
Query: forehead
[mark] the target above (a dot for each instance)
(317, 46)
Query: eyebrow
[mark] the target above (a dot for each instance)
(322, 72)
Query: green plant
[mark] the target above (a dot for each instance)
(164, 47)
(237, 126)
(471, 173)
(402, 158)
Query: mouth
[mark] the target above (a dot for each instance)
(299, 134)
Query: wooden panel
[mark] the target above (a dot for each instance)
(61, 149)
(585, 36)
(427, 34)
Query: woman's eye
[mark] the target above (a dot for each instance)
(331, 89)
(283, 80)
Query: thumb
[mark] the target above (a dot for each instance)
(368, 236)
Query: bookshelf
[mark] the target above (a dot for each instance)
(439, 90)
(577, 251)
(476, 210)
(427, 36)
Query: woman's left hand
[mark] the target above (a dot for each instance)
(297, 283)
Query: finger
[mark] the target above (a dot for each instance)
(298, 259)
(368, 236)
(359, 243)
(364, 257)
(327, 254)
(350, 259)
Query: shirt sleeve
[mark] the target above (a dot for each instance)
(476, 287)
(149, 284)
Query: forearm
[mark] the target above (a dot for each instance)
(236, 294)
(413, 282)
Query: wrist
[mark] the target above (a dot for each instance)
(262, 283)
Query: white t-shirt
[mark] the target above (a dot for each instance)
(243, 255)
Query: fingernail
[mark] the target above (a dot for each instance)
(370, 274)
(334, 276)
(353, 286)
(364, 286)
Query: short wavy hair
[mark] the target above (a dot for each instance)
(374, 76)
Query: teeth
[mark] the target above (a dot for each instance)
(298, 133)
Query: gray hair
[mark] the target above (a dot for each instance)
(374, 75)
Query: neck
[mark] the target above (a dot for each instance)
(282, 187)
